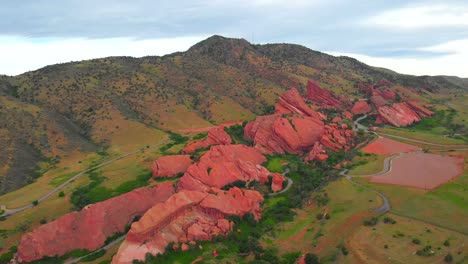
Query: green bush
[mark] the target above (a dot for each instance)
(61, 194)
(371, 222)
(425, 252)
(416, 241)
(448, 258)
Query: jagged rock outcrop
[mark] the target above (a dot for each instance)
(292, 102)
(223, 165)
(89, 228)
(169, 166)
(378, 101)
(184, 217)
(316, 153)
(295, 133)
(402, 114)
(216, 136)
(322, 97)
(361, 107)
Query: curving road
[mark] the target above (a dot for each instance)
(8, 212)
(106, 247)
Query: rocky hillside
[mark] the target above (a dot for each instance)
(94, 105)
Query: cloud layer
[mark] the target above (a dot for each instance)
(40, 32)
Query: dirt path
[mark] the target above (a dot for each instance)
(13, 211)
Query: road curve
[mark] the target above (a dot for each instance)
(8, 212)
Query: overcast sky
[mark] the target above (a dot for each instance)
(422, 37)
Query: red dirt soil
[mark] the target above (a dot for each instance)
(386, 146)
(422, 170)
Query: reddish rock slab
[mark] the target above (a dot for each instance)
(420, 110)
(186, 216)
(292, 102)
(323, 97)
(216, 136)
(223, 165)
(399, 114)
(277, 182)
(169, 166)
(385, 146)
(89, 228)
(378, 101)
(277, 134)
(361, 107)
(422, 170)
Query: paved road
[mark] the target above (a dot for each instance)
(106, 247)
(290, 182)
(13, 211)
(420, 141)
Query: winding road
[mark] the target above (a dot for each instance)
(8, 212)
(386, 206)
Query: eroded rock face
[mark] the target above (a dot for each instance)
(323, 97)
(378, 101)
(223, 165)
(184, 217)
(277, 182)
(361, 107)
(277, 134)
(292, 102)
(216, 136)
(89, 228)
(169, 166)
(402, 114)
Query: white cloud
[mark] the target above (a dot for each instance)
(420, 17)
(19, 54)
(454, 63)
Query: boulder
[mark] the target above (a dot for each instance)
(361, 107)
(89, 228)
(186, 216)
(169, 166)
(277, 182)
(216, 136)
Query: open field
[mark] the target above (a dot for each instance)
(419, 135)
(373, 164)
(393, 243)
(421, 170)
(445, 206)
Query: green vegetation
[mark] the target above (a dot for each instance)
(237, 134)
(61, 194)
(93, 192)
(71, 255)
(6, 257)
(93, 256)
(200, 136)
(61, 179)
(425, 251)
(371, 222)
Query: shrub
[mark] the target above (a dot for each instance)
(416, 241)
(35, 202)
(61, 194)
(448, 258)
(311, 259)
(371, 222)
(43, 221)
(319, 216)
(425, 252)
(447, 243)
(388, 220)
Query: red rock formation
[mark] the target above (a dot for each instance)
(222, 165)
(378, 101)
(292, 102)
(361, 107)
(274, 133)
(383, 83)
(168, 166)
(316, 150)
(347, 115)
(216, 136)
(277, 182)
(337, 119)
(89, 228)
(323, 97)
(402, 114)
(186, 216)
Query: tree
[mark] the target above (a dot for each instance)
(448, 258)
(311, 259)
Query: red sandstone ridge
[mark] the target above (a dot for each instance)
(89, 228)
(292, 102)
(323, 97)
(223, 165)
(184, 217)
(361, 107)
(216, 136)
(168, 166)
(277, 182)
(402, 114)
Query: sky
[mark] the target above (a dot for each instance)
(422, 37)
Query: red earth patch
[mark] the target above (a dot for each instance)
(422, 170)
(385, 146)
